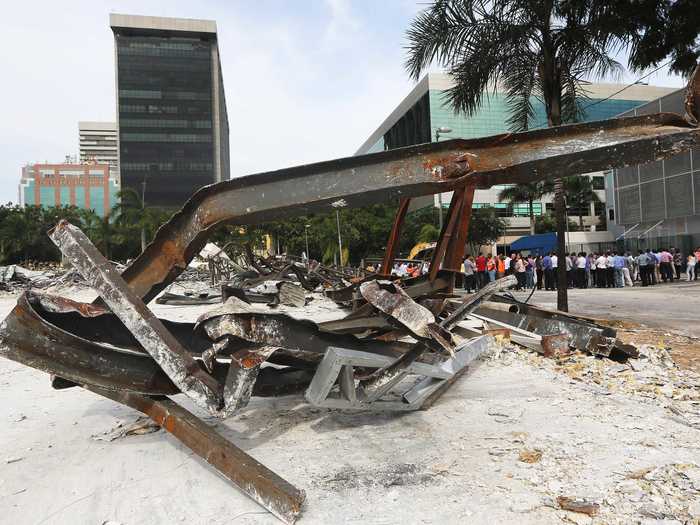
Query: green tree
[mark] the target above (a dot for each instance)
(543, 49)
(655, 30)
(101, 231)
(484, 228)
(133, 221)
(580, 194)
(547, 223)
(528, 194)
(428, 233)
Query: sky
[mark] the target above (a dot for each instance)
(305, 80)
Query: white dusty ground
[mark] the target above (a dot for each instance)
(455, 463)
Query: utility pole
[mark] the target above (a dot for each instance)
(340, 239)
(306, 237)
(337, 205)
(442, 130)
(143, 209)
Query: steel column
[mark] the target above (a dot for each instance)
(392, 244)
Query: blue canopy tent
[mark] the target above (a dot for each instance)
(539, 244)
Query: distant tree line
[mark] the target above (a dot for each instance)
(23, 231)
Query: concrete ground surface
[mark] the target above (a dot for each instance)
(459, 462)
(670, 306)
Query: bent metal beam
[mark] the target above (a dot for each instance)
(406, 172)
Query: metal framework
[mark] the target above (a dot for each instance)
(119, 349)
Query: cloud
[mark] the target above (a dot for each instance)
(304, 81)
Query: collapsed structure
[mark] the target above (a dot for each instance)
(403, 343)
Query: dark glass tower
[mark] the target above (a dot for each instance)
(173, 127)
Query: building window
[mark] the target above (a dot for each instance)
(598, 182)
(503, 209)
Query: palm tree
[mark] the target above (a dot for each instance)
(536, 50)
(579, 194)
(529, 193)
(100, 230)
(130, 214)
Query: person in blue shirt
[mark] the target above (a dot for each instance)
(642, 262)
(548, 272)
(651, 266)
(618, 265)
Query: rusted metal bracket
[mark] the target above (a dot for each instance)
(257, 481)
(472, 303)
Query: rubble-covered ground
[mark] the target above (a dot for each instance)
(513, 441)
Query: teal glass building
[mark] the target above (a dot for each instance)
(425, 109)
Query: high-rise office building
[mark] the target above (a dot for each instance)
(425, 109)
(98, 144)
(172, 121)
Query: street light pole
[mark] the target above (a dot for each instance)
(442, 130)
(151, 171)
(340, 239)
(566, 208)
(341, 203)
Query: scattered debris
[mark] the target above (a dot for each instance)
(666, 492)
(530, 455)
(13, 460)
(578, 505)
(142, 425)
(506, 413)
(392, 475)
(408, 330)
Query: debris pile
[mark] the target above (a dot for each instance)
(652, 376)
(14, 278)
(669, 493)
(401, 345)
(214, 277)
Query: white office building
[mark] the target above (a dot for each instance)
(98, 144)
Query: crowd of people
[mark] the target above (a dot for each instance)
(583, 270)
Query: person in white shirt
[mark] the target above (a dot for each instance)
(600, 265)
(610, 270)
(581, 280)
(691, 265)
(626, 270)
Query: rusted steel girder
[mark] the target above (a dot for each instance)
(27, 336)
(392, 245)
(405, 172)
(261, 484)
(182, 369)
(455, 251)
(446, 235)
